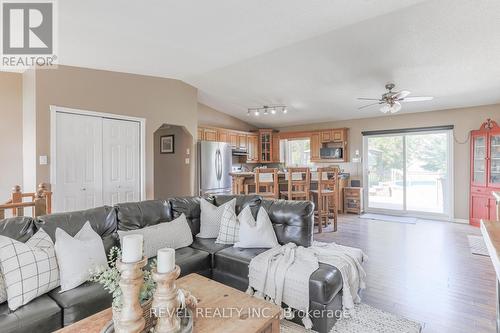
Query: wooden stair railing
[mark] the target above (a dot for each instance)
(41, 202)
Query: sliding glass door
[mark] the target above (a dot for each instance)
(409, 173)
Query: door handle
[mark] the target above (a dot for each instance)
(219, 170)
(216, 165)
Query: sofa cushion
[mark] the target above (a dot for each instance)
(254, 201)
(192, 260)
(190, 206)
(18, 228)
(81, 302)
(102, 220)
(137, 215)
(40, 315)
(209, 245)
(235, 261)
(292, 220)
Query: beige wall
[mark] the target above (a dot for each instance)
(211, 117)
(11, 134)
(158, 100)
(464, 120)
(168, 183)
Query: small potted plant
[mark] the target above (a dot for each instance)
(109, 278)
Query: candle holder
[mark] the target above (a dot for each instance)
(166, 301)
(130, 319)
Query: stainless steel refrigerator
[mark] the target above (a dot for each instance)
(214, 166)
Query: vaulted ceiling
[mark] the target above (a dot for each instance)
(316, 57)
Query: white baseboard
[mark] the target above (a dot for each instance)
(463, 221)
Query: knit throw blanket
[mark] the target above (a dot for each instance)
(281, 274)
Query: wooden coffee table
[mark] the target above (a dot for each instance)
(220, 309)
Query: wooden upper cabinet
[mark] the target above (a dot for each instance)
(241, 142)
(338, 135)
(315, 146)
(326, 136)
(233, 139)
(335, 135)
(253, 148)
(265, 145)
(200, 134)
(210, 134)
(276, 149)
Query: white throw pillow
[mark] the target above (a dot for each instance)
(256, 234)
(78, 255)
(229, 231)
(211, 217)
(29, 269)
(3, 291)
(174, 234)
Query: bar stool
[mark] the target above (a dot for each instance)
(326, 197)
(299, 184)
(266, 178)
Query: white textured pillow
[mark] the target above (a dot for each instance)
(174, 234)
(78, 255)
(211, 217)
(256, 234)
(3, 291)
(229, 231)
(29, 269)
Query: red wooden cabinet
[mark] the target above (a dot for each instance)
(484, 171)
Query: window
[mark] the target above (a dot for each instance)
(297, 152)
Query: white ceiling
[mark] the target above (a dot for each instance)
(315, 56)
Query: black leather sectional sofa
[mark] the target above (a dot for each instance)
(292, 221)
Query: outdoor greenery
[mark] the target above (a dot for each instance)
(423, 151)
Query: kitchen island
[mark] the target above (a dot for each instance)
(241, 179)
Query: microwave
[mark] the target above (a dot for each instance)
(328, 153)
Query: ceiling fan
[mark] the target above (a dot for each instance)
(391, 100)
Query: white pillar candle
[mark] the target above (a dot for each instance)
(165, 260)
(132, 248)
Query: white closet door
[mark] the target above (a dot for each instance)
(121, 161)
(78, 162)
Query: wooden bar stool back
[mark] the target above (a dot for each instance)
(299, 184)
(266, 183)
(326, 197)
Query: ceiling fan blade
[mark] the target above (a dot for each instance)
(368, 99)
(416, 99)
(368, 105)
(401, 94)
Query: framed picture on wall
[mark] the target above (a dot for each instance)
(167, 143)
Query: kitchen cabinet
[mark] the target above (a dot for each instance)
(265, 145)
(253, 148)
(223, 136)
(315, 146)
(210, 134)
(484, 172)
(326, 136)
(241, 141)
(338, 135)
(233, 139)
(276, 149)
(200, 134)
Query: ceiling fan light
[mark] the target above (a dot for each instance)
(256, 113)
(386, 108)
(248, 113)
(266, 112)
(395, 107)
(273, 111)
(285, 110)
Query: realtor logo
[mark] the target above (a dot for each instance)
(28, 33)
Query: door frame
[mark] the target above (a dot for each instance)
(54, 109)
(448, 215)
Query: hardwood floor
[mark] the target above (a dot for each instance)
(423, 271)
